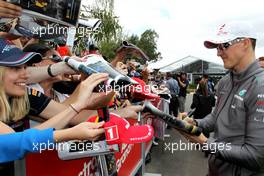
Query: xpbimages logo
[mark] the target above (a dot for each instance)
(188, 146)
(74, 146)
(146, 89)
(42, 31)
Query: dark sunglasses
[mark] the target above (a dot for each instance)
(55, 58)
(225, 46)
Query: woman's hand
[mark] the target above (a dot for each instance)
(83, 95)
(87, 131)
(83, 131)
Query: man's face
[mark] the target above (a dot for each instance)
(204, 79)
(231, 55)
(183, 77)
(121, 67)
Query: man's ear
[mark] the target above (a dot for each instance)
(247, 43)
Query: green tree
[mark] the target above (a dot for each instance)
(110, 34)
(107, 48)
(148, 43)
(134, 39)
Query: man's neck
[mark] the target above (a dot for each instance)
(245, 62)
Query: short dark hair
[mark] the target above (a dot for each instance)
(169, 75)
(183, 73)
(205, 76)
(253, 42)
(261, 58)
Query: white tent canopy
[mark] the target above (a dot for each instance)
(165, 67)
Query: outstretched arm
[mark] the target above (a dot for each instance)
(15, 145)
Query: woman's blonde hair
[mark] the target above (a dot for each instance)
(11, 108)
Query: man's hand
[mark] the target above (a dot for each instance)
(195, 139)
(119, 57)
(8, 10)
(182, 116)
(190, 120)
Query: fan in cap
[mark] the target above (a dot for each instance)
(14, 101)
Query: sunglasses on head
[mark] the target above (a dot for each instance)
(225, 46)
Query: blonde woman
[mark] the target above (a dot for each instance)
(13, 96)
(14, 103)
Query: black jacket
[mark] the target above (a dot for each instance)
(238, 125)
(203, 105)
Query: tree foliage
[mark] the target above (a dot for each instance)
(147, 43)
(110, 35)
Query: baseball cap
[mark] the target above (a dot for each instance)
(230, 31)
(11, 55)
(41, 49)
(118, 131)
(37, 48)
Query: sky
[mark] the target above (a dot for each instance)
(183, 25)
